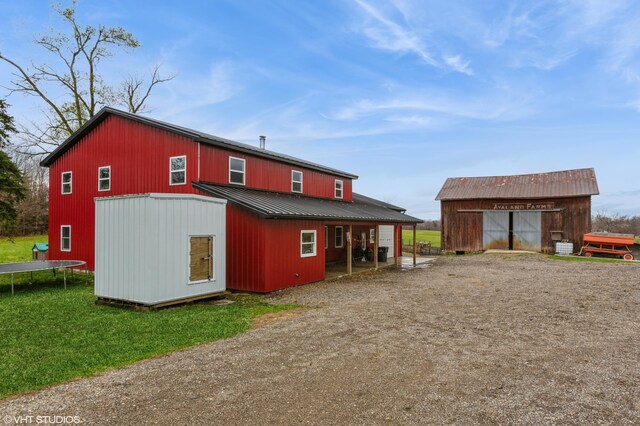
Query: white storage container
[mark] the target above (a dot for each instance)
(564, 248)
(154, 249)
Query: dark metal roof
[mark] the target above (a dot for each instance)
(190, 133)
(278, 205)
(567, 183)
(369, 200)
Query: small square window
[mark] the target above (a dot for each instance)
(65, 238)
(178, 170)
(307, 243)
(104, 178)
(339, 241)
(338, 189)
(66, 183)
(296, 181)
(236, 170)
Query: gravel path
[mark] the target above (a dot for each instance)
(473, 339)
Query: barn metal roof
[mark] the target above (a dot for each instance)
(190, 133)
(567, 183)
(278, 205)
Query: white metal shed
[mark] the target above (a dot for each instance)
(155, 249)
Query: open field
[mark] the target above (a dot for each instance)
(427, 236)
(19, 250)
(484, 339)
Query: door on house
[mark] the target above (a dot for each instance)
(200, 258)
(527, 231)
(385, 238)
(495, 230)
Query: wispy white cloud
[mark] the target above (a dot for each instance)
(458, 64)
(489, 107)
(188, 92)
(387, 34)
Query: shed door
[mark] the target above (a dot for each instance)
(201, 258)
(495, 230)
(527, 230)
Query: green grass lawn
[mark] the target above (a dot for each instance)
(19, 250)
(590, 259)
(432, 236)
(51, 335)
(637, 240)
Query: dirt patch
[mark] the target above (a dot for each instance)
(472, 339)
(270, 318)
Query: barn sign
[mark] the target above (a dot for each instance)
(523, 206)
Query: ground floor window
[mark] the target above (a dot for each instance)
(307, 243)
(339, 242)
(65, 238)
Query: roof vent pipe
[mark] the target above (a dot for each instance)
(263, 141)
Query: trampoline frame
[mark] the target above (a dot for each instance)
(42, 265)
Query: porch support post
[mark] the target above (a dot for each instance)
(414, 244)
(375, 246)
(349, 251)
(396, 250)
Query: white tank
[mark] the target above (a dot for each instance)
(564, 248)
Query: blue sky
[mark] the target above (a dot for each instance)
(402, 93)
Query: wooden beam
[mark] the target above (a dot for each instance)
(349, 250)
(375, 246)
(414, 244)
(396, 252)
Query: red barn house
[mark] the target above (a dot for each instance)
(286, 218)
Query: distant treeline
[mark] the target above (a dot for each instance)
(616, 223)
(429, 225)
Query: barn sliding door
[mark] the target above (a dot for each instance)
(527, 231)
(495, 230)
(200, 258)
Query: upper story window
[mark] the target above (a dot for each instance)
(296, 181)
(104, 178)
(236, 170)
(338, 188)
(65, 238)
(178, 170)
(307, 243)
(66, 182)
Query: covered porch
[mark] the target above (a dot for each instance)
(353, 248)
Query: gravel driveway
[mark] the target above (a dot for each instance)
(472, 339)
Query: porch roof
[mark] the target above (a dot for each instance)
(278, 205)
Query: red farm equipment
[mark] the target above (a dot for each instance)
(607, 243)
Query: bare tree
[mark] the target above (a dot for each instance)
(73, 70)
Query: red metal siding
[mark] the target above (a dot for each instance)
(285, 267)
(139, 160)
(245, 250)
(333, 253)
(267, 174)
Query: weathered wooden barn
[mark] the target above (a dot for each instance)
(288, 220)
(522, 212)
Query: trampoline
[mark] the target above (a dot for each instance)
(41, 265)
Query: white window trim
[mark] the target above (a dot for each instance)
(61, 239)
(326, 237)
(335, 237)
(70, 183)
(335, 189)
(244, 171)
(107, 179)
(295, 181)
(178, 170)
(315, 242)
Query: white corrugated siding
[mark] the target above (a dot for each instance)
(142, 246)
